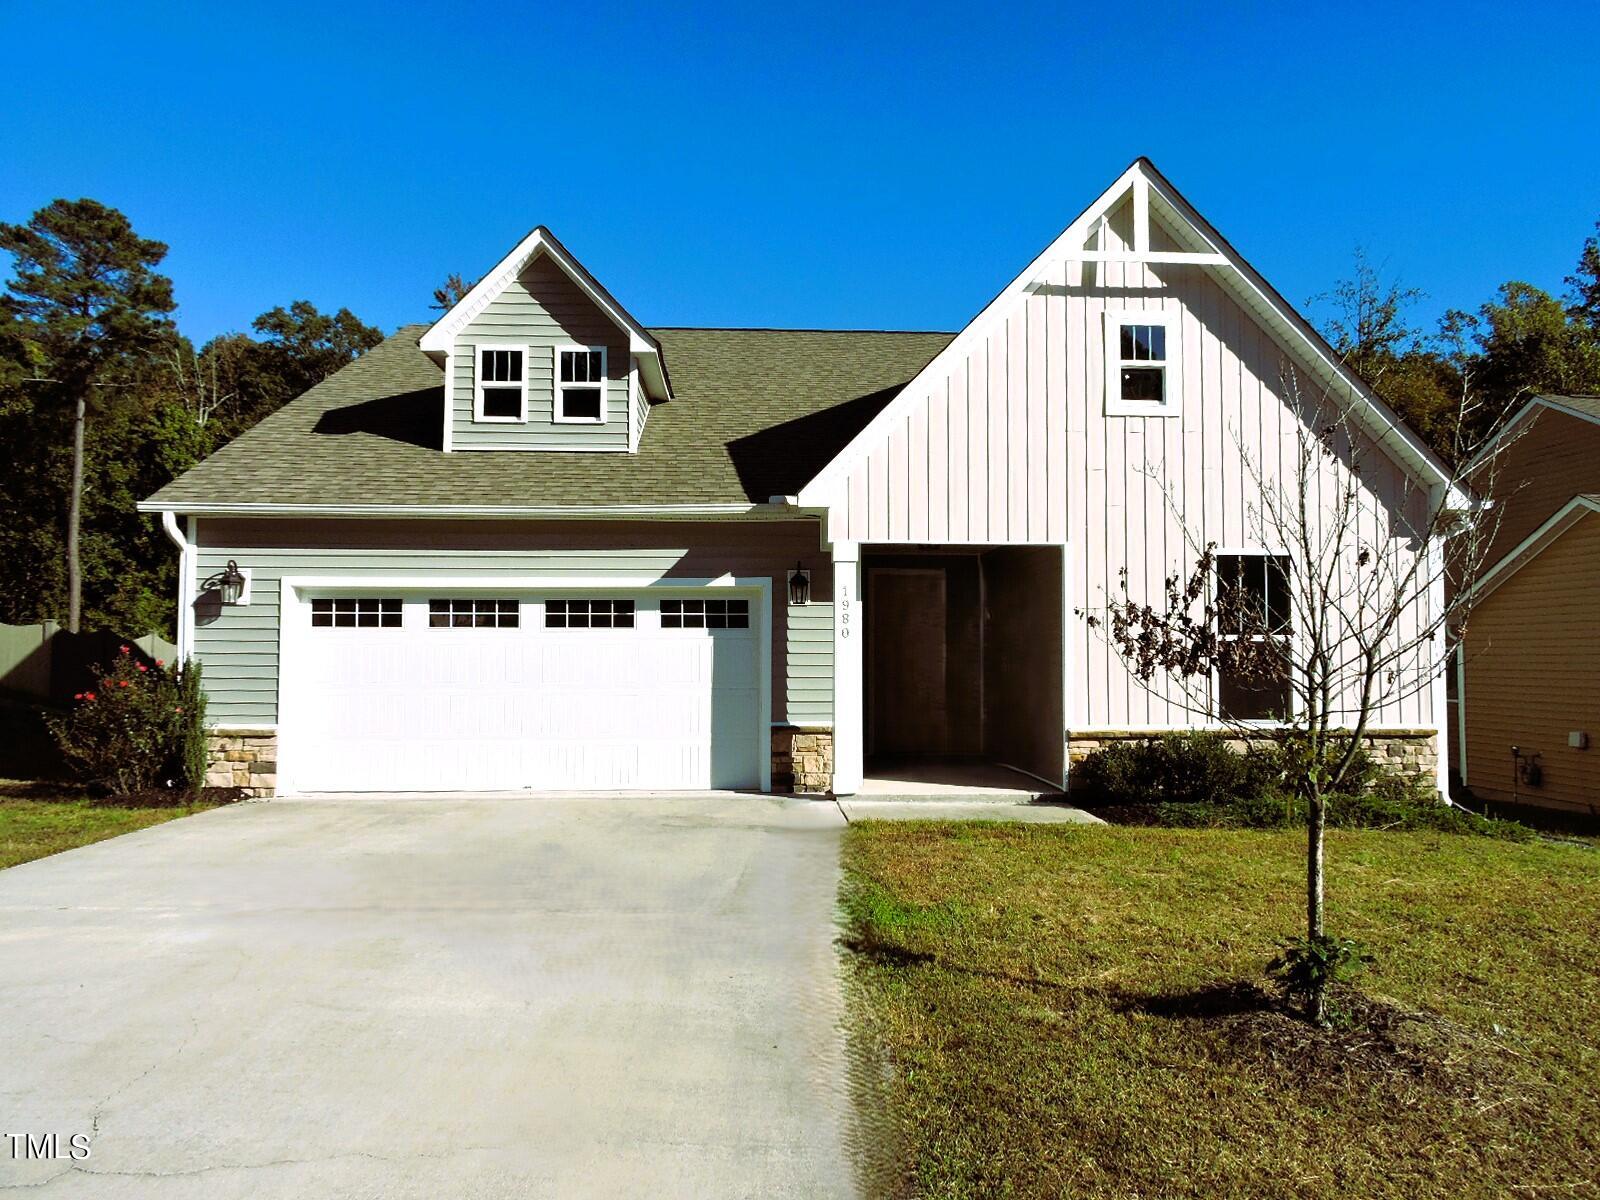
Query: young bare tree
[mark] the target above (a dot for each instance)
(1353, 609)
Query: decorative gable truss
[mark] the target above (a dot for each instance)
(976, 447)
(486, 405)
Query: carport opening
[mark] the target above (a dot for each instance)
(963, 664)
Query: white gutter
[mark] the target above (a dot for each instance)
(169, 522)
(558, 512)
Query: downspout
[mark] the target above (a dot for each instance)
(169, 522)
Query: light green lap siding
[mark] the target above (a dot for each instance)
(540, 310)
(808, 664)
(238, 646)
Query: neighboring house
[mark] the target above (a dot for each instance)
(1528, 670)
(539, 545)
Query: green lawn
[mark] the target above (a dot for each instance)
(1036, 1011)
(40, 819)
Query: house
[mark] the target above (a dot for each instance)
(1527, 675)
(538, 544)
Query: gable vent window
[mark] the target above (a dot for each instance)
(502, 384)
(580, 384)
(1142, 376)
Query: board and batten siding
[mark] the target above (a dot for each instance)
(540, 309)
(1012, 444)
(238, 646)
(1532, 665)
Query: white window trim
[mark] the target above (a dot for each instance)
(477, 383)
(1292, 637)
(558, 409)
(1172, 368)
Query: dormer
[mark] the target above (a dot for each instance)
(539, 356)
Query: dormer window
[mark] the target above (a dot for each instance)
(580, 384)
(1142, 375)
(502, 384)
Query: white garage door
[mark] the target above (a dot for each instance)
(385, 691)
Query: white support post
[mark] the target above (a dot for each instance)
(1141, 214)
(849, 734)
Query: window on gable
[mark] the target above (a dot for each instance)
(1142, 377)
(1254, 619)
(580, 384)
(502, 383)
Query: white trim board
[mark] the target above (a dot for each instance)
(608, 512)
(1553, 403)
(1534, 544)
(441, 335)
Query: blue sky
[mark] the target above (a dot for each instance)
(851, 166)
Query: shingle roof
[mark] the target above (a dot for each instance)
(756, 413)
(1589, 406)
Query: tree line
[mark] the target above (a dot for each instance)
(103, 399)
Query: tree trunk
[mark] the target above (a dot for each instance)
(1316, 820)
(74, 506)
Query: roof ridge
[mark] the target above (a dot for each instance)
(796, 329)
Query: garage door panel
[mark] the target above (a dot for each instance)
(420, 708)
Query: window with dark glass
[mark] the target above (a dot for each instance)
(705, 614)
(588, 614)
(501, 383)
(473, 614)
(581, 384)
(1254, 609)
(355, 612)
(1143, 355)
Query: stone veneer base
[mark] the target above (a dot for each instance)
(1413, 752)
(802, 759)
(243, 758)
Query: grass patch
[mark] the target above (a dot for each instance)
(37, 819)
(1042, 1011)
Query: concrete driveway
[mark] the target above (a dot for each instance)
(435, 998)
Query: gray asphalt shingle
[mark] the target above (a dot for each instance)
(756, 413)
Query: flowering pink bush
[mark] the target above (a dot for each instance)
(138, 729)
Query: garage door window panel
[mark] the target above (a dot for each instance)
(588, 614)
(356, 612)
(473, 614)
(705, 614)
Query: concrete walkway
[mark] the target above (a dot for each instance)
(433, 998)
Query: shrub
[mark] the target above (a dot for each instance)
(140, 726)
(1176, 769)
(1308, 966)
(1198, 781)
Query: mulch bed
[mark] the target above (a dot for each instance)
(168, 797)
(1374, 1042)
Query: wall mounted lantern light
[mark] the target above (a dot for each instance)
(799, 586)
(232, 583)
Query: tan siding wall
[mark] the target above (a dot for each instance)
(1012, 444)
(1555, 458)
(238, 647)
(541, 309)
(1533, 674)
